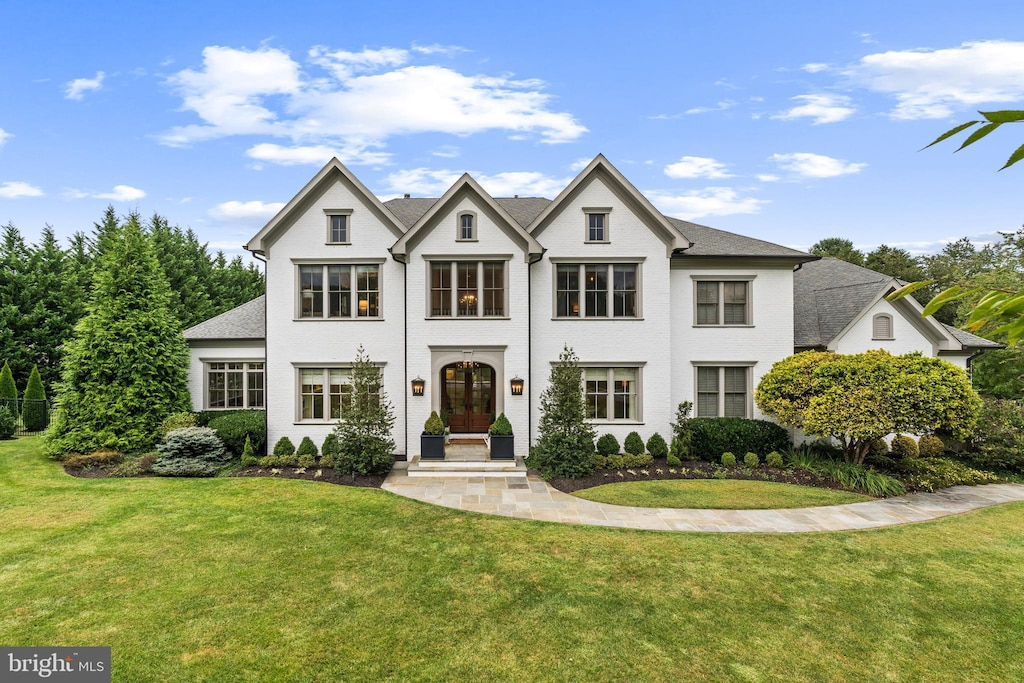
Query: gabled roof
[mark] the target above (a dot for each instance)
(332, 171)
(248, 321)
(600, 167)
(465, 186)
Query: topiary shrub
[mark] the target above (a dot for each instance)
(633, 445)
(330, 448)
(234, 427)
(714, 435)
(728, 459)
(34, 413)
(673, 460)
(903, 447)
(608, 445)
(433, 426)
(7, 423)
(773, 459)
(284, 446)
(8, 390)
(306, 460)
(307, 447)
(751, 460)
(178, 421)
(248, 453)
(656, 446)
(501, 426)
(930, 446)
(191, 452)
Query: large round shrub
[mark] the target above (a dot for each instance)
(234, 427)
(608, 445)
(633, 445)
(656, 446)
(190, 452)
(904, 447)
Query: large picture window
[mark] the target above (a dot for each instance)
(610, 290)
(723, 302)
(339, 291)
(234, 384)
(612, 393)
(722, 391)
(479, 289)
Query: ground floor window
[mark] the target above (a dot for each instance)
(323, 393)
(722, 391)
(234, 385)
(612, 393)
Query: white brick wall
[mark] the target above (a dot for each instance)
(201, 352)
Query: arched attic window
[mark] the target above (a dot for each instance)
(881, 326)
(466, 227)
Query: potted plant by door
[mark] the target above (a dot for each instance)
(432, 439)
(502, 441)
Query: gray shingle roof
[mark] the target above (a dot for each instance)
(972, 341)
(712, 242)
(248, 321)
(522, 209)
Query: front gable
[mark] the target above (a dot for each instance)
(908, 331)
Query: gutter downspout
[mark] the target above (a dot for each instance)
(266, 347)
(405, 345)
(529, 350)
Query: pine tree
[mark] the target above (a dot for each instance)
(8, 390)
(125, 369)
(565, 441)
(15, 301)
(55, 306)
(33, 409)
(364, 433)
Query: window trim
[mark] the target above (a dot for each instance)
(610, 264)
(875, 319)
(748, 406)
(611, 367)
(475, 227)
(454, 262)
(605, 211)
(324, 263)
(721, 280)
(324, 368)
(207, 362)
(330, 214)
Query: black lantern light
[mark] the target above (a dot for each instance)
(517, 386)
(418, 385)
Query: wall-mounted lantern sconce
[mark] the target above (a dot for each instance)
(418, 385)
(517, 386)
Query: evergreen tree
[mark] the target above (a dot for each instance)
(125, 369)
(15, 301)
(188, 269)
(33, 408)
(55, 306)
(565, 441)
(8, 390)
(837, 247)
(364, 433)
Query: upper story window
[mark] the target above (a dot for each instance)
(722, 302)
(478, 289)
(338, 226)
(609, 290)
(339, 291)
(881, 326)
(722, 391)
(467, 227)
(234, 385)
(597, 225)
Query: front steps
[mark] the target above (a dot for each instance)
(466, 460)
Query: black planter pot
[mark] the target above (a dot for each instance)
(503, 447)
(431, 446)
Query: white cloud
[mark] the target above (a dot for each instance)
(768, 178)
(122, 193)
(814, 67)
(317, 155)
(930, 84)
(808, 165)
(435, 49)
(447, 152)
(867, 38)
(245, 211)
(16, 189)
(423, 181)
(711, 201)
(697, 167)
(579, 164)
(721, 106)
(361, 100)
(76, 89)
(821, 108)
(5, 136)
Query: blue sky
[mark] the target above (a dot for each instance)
(786, 121)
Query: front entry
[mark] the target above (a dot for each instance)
(467, 395)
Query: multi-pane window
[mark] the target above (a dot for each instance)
(596, 227)
(339, 228)
(466, 227)
(323, 393)
(351, 291)
(723, 302)
(609, 290)
(612, 393)
(479, 288)
(234, 385)
(722, 391)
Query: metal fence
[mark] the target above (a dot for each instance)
(32, 416)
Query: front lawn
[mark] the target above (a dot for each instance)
(231, 579)
(730, 494)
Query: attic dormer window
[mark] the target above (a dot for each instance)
(467, 227)
(597, 225)
(881, 327)
(338, 228)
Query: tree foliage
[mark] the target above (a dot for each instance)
(125, 369)
(989, 123)
(34, 409)
(365, 443)
(565, 440)
(840, 248)
(895, 262)
(858, 398)
(8, 389)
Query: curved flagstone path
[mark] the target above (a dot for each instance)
(530, 497)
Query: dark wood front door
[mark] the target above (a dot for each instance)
(468, 396)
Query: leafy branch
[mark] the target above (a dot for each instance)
(1001, 307)
(993, 119)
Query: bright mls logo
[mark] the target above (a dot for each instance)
(79, 664)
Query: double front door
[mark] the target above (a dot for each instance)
(467, 395)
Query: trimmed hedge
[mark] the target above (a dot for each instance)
(713, 436)
(233, 427)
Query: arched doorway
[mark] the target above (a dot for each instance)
(467, 395)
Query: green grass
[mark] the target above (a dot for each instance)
(729, 494)
(271, 580)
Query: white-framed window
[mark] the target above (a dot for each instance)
(339, 226)
(234, 384)
(323, 393)
(881, 326)
(339, 291)
(612, 393)
(596, 225)
(723, 391)
(467, 227)
(468, 289)
(610, 290)
(722, 302)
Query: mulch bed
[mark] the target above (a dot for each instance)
(327, 475)
(694, 469)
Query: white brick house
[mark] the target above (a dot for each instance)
(467, 292)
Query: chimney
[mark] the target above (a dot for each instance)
(406, 195)
(517, 197)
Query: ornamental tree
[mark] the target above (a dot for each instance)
(365, 443)
(565, 441)
(33, 410)
(858, 398)
(8, 389)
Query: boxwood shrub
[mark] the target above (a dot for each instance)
(608, 445)
(634, 445)
(233, 427)
(713, 436)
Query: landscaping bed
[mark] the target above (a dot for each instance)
(326, 474)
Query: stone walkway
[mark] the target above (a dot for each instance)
(530, 497)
